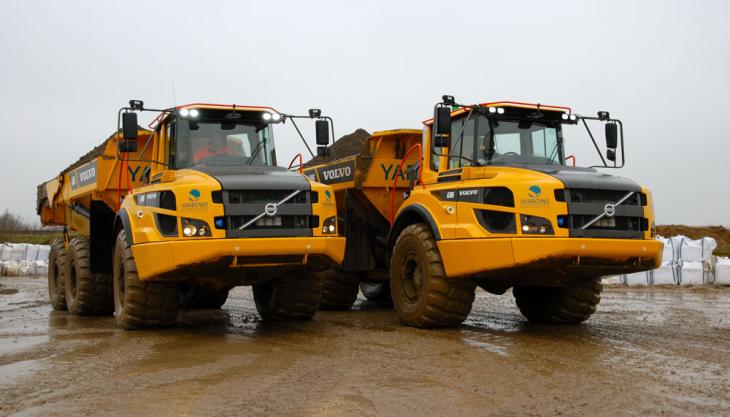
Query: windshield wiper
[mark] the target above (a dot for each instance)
(255, 152)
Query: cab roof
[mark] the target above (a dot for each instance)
(514, 104)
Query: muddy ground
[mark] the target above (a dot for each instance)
(646, 352)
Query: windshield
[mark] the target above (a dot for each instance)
(210, 142)
(481, 140)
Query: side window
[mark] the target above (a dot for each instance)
(462, 142)
(172, 143)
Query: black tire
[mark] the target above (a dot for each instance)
(208, 298)
(295, 297)
(56, 264)
(339, 290)
(137, 304)
(376, 292)
(87, 294)
(572, 304)
(422, 295)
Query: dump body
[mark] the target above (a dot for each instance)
(476, 214)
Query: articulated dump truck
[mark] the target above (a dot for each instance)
(172, 218)
(482, 196)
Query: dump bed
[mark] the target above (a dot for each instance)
(372, 172)
(101, 178)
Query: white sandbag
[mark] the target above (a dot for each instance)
(697, 250)
(17, 252)
(695, 273)
(43, 252)
(11, 269)
(671, 253)
(612, 280)
(637, 278)
(722, 271)
(665, 275)
(40, 268)
(31, 252)
(26, 268)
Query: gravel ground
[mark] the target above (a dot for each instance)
(645, 352)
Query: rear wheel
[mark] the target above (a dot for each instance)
(339, 290)
(56, 261)
(422, 295)
(294, 297)
(87, 294)
(573, 303)
(140, 304)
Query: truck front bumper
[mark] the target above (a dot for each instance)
(506, 256)
(186, 259)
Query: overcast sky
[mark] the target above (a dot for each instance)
(662, 67)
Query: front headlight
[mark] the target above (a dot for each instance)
(329, 227)
(195, 228)
(533, 225)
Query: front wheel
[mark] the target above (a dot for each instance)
(291, 297)
(137, 304)
(422, 294)
(572, 304)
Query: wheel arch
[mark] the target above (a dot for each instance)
(414, 213)
(121, 221)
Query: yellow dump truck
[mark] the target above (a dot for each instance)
(483, 196)
(175, 216)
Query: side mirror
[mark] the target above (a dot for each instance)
(323, 151)
(129, 125)
(611, 155)
(611, 136)
(442, 127)
(322, 132)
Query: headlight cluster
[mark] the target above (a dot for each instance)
(329, 227)
(533, 225)
(195, 228)
(272, 117)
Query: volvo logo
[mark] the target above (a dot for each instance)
(609, 209)
(270, 209)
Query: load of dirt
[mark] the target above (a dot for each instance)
(343, 147)
(719, 233)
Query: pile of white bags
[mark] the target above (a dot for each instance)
(684, 262)
(23, 259)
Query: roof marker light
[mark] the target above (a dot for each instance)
(276, 117)
(573, 117)
(267, 116)
(500, 110)
(194, 112)
(492, 109)
(184, 112)
(564, 116)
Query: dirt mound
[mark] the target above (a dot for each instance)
(343, 147)
(719, 233)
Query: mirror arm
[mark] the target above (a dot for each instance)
(300, 132)
(590, 134)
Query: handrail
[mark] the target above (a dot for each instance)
(400, 169)
(570, 157)
(299, 155)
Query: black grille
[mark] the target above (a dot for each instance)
(585, 205)
(266, 196)
(292, 218)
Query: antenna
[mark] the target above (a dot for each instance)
(174, 97)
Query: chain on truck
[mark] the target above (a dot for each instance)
(172, 218)
(483, 196)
